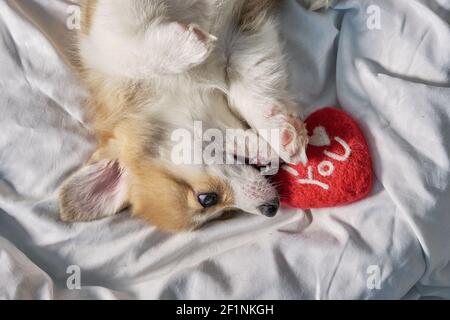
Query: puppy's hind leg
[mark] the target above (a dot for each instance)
(138, 39)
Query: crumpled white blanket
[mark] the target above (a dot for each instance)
(386, 62)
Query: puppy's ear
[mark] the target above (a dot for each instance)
(96, 191)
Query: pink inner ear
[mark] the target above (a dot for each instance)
(106, 180)
(98, 190)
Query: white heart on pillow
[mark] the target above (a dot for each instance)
(320, 137)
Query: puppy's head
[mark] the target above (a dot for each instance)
(168, 195)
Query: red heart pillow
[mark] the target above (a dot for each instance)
(339, 169)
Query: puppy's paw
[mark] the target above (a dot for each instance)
(293, 137)
(293, 140)
(190, 46)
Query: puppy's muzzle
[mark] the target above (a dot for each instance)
(270, 209)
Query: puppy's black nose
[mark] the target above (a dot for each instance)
(270, 209)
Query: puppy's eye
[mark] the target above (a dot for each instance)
(208, 200)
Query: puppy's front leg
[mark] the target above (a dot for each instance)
(138, 39)
(258, 82)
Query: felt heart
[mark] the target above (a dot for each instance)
(339, 169)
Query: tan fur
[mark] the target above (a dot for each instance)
(161, 196)
(88, 9)
(109, 103)
(169, 201)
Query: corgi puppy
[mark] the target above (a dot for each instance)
(153, 67)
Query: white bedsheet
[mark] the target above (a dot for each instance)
(395, 81)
